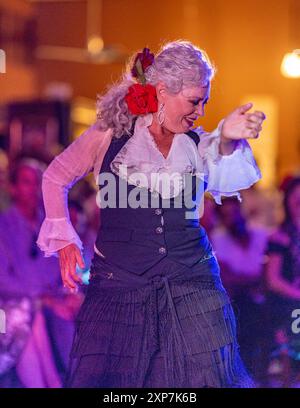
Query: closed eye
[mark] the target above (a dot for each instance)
(196, 102)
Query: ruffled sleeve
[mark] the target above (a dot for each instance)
(81, 157)
(226, 174)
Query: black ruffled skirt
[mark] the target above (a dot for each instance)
(171, 327)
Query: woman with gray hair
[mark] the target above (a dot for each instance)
(156, 313)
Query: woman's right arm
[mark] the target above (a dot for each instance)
(57, 236)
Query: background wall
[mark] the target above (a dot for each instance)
(245, 40)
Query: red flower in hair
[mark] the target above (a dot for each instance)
(141, 99)
(141, 62)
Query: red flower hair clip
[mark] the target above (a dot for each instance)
(141, 97)
(142, 61)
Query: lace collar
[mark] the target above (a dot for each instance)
(141, 163)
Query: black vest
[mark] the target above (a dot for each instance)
(136, 239)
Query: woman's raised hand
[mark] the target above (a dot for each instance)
(69, 256)
(242, 125)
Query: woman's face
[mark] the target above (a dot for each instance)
(27, 187)
(181, 110)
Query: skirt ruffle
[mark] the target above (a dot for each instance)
(182, 336)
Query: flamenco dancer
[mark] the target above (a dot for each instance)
(156, 313)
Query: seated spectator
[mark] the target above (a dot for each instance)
(30, 285)
(283, 282)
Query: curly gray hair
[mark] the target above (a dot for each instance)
(178, 64)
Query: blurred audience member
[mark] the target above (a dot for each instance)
(262, 208)
(4, 181)
(82, 190)
(27, 281)
(240, 250)
(283, 282)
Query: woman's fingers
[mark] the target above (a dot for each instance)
(260, 114)
(68, 278)
(69, 282)
(256, 115)
(72, 270)
(254, 124)
(251, 134)
(68, 258)
(240, 124)
(79, 259)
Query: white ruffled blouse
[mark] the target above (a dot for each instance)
(224, 175)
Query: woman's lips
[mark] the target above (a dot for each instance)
(190, 122)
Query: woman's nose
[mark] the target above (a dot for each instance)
(200, 110)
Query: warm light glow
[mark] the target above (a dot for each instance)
(290, 66)
(2, 62)
(265, 147)
(95, 44)
(83, 115)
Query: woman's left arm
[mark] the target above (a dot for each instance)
(229, 164)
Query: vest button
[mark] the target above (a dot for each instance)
(158, 211)
(158, 230)
(162, 250)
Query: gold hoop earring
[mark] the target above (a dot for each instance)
(161, 114)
